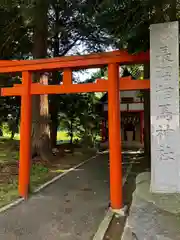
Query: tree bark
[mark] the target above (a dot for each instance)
(172, 11)
(147, 124)
(53, 110)
(53, 103)
(56, 77)
(40, 112)
(71, 132)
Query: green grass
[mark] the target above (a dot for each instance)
(61, 135)
(8, 154)
(8, 192)
(8, 181)
(39, 173)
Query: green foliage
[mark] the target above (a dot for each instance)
(127, 21)
(69, 108)
(69, 24)
(15, 41)
(89, 119)
(101, 73)
(10, 106)
(78, 115)
(93, 24)
(39, 174)
(38, 168)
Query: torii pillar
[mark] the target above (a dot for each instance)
(112, 86)
(114, 137)
(25, 133)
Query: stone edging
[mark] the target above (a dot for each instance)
(103, 227)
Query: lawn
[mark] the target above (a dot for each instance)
(61, 136)
(40, 171)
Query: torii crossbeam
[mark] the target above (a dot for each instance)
(67, 65)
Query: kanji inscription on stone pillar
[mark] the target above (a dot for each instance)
(164, 86)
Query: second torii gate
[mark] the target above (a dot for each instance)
(67, 65)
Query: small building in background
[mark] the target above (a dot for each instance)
(132, 116)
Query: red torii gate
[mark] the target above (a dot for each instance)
(67, 65)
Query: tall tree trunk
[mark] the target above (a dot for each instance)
(40, 113)
(172, 11)
(53, 110)
(147, 124)
(53, 103)
(71, 132)
(56, 77)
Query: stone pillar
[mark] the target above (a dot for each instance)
(164, 76)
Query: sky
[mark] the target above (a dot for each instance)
(81, 49)
(82, 76)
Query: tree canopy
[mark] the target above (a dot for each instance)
(50, 28)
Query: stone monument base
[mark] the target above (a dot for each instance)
(152, 216)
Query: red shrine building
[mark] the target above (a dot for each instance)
(132, 116)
